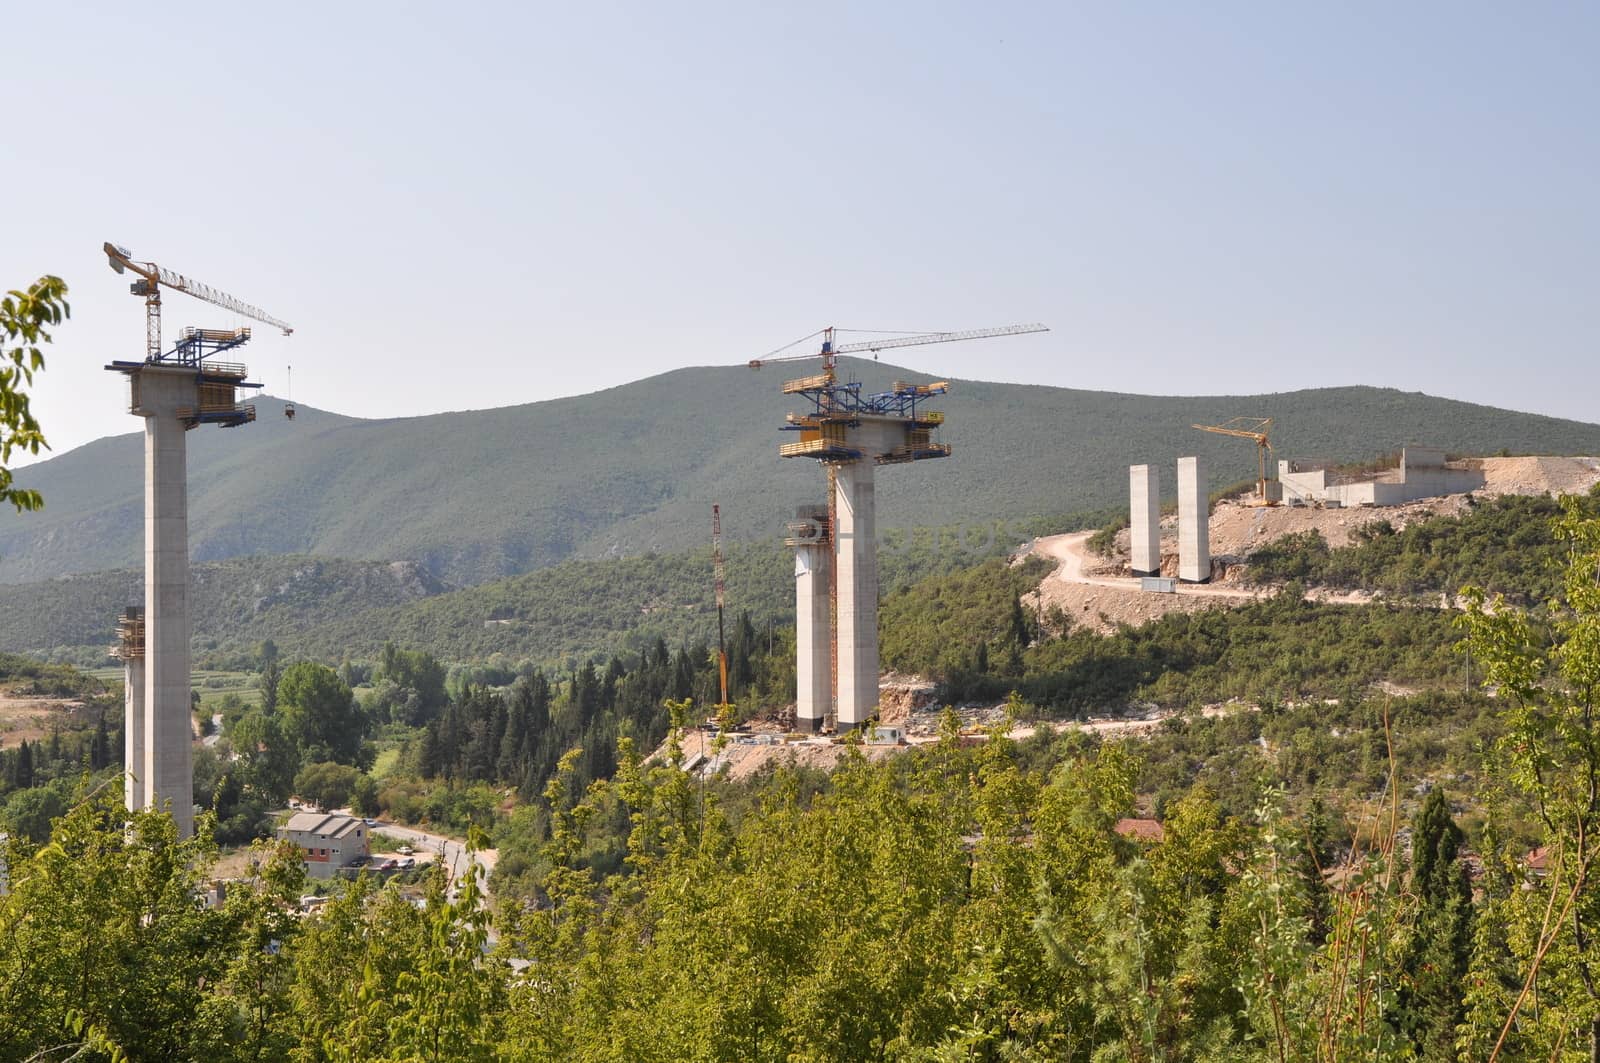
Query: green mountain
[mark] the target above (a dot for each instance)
(475, 496)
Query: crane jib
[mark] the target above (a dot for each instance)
(938, 337)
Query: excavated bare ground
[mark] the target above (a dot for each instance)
(1539, 475)
(30, 719)
(743, 760)
(1103, 608)
(746, 755)
(1238, 530)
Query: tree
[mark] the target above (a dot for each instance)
(364, 796)
(319, 713)
(1549, 678)
(270, 674)
(1441, 943)
(327, 785)
(410, 686)
(267, 756)
(24, 319)
(25, 758)
(28, 813)
(104, 946)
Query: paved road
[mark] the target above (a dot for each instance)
(450, 851)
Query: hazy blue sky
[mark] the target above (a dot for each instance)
(481, 204)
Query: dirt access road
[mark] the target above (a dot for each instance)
(1083, 589)
(1071, 550)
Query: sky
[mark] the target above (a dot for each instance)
(484, 204)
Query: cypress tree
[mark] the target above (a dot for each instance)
(24, 766)
(1431, 1001)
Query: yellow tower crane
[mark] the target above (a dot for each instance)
(1260, 430)
(153, 278)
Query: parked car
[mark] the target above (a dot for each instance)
(408, 862)
(388, 865)
(405, 850)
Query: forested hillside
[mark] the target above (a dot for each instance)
(233, 604)
(332, 609)
(476, 496)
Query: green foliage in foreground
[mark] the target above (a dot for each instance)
(107, 955)
(955, 902)
(24, 317)
(952, 903)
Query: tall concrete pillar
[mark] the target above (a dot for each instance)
(1144, 519)
(856, 588)
(168, 775)
(133, 734)
(1194, 515)
(129, 649)
(813, 589)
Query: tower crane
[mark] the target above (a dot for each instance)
(152, 278)
(830, 433)
(1260, 430)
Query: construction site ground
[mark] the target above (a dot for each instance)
(762, 746)
(31, 718)
(1101, 593)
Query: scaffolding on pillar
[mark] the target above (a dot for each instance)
(130, 635)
